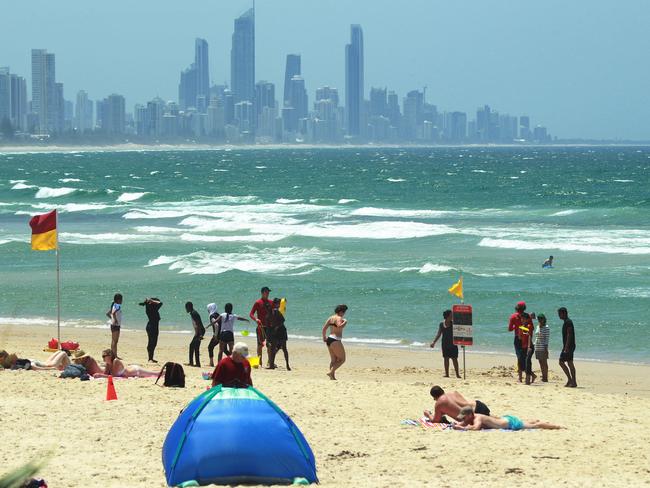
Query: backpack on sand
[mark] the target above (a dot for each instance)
(174, 375)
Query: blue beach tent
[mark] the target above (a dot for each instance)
(236, 436)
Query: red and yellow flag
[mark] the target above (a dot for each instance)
(44, 231)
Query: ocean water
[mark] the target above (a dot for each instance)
(386, 231)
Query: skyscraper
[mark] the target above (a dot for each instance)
(5, 96)
(354, 80)
(44, 96)
(202, 68)
(242, 58)
(18, 102)
(83, 120)
(292, 69)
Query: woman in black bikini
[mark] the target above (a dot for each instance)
(336, 323)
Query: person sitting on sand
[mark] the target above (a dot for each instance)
(234, 370)
(451, 404)
(115, 367)
(336, 323)
(475, 421)
(88, 362)
(58, 360)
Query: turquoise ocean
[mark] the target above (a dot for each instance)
(385, 230)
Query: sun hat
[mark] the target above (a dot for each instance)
(521, 305)
(241, 348)
(79, 354)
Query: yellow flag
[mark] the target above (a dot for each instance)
(457, 288)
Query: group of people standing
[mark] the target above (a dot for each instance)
(522, 325)
(270, 330)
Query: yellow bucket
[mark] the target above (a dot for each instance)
(254, 361)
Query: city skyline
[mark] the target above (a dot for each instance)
(312, 83)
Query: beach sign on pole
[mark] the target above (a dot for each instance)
(462, 319)
(462, 328)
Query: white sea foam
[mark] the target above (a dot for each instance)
(429, 268)
(73, 207)
(148, 229)
(45, 192)
(114, 238)
(389, 212)
(289, 200)
(374, 230)
(17, 181)
(624, 181)
(632, 292)
(248, 238)
(607, 246)
(395, 180)
(22, 186)
(267, 261)
(131, 197)
(479, 171)
(343, 201)
(69, 180)
(564, 213)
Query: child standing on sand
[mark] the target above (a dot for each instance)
(115, 320)
(541, 345)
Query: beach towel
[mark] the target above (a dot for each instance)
(426, 424)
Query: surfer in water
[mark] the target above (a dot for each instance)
(548, 263)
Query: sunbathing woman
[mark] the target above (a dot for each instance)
(88, 362)
(58, 360)
(115, 367)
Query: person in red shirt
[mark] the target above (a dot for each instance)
(234, 370)
(522, 325)
(261, 313)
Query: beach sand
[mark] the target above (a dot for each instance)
(352, 425)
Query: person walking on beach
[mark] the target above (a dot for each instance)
(213, 316)
(568, 347)
(451, 404)
(475, 421)
(278, 333)
(259, 314)
(541, 345)
(152, 309)
(449, 349)
(199, 332)
(114, 315)
(226, 322)
(335, 323)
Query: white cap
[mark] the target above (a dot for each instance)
(241, 348)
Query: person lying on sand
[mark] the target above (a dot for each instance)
(58, 360)
(88, 362)
(475, 421)
(451, 404)
(115, 367)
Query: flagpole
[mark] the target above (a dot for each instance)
(462, 301)
(58, 284)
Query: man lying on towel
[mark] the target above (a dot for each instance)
(468, 420)
(450, 404)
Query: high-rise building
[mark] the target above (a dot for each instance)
(202, 68)
(264, 95)
(378, 102)
(413, 109)
(299, 99)
(113, 115)
(44, 96)
(18, 102)
(5, 96)
(83, 119)
(354, 80)
(242, 58)
(483, 123)
(394, 114)
(59, 121)
(291, 69)
(524, 128)
(458, 126)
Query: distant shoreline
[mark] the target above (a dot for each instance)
(129, 147)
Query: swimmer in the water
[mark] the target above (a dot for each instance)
(548, 263)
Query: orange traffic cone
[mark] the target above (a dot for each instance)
(110, 390)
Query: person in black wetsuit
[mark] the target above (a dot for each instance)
(449, 349)
(152, 309)
(278, 334)
(199, 332)
(568, 347)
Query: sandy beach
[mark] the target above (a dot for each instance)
(353, 425)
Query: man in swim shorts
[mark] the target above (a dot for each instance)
(451, 404)
(260, 314)
(568, 347)
(468, 420)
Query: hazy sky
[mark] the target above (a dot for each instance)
(580, 67)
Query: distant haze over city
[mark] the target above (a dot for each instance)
(578, 68)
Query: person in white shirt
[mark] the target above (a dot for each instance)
(114, 315)
(226, 322)
(541, 345)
